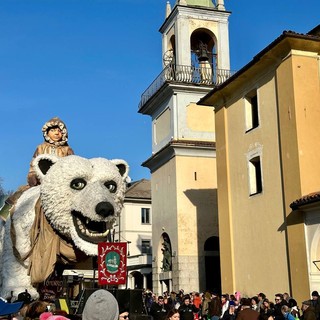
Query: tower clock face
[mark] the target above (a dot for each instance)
(168, 57)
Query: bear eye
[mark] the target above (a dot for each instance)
(78, 184)
(111, 186)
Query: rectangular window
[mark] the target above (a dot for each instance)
(145, 215)
(255, 176)
(145, 246)
(251, 110)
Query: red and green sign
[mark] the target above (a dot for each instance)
(112, 263)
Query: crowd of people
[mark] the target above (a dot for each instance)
(212, 306)
(102, 305)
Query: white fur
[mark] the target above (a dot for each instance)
(58, 200)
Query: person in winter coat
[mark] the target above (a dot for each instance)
(246, 312)
(286, 313)
(205, 305)
(315, 301)
(159, 309)
(266, 309)
(187, 309)
(215, 307)
(55, 134)
(308, 311)
(230, 314)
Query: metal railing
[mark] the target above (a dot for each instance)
(202, 75)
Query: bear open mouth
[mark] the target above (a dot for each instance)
(89, 230)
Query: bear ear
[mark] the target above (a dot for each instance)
(43, 163)
(122, 167)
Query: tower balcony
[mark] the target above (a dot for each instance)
(203, 75)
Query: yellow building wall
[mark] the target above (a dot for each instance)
(200, 118)
(256, 232)
(164, 206)
(225, 217)
(196, 203)
(185, 207)
(299, 109)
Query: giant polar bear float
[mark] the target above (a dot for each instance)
(63, 218)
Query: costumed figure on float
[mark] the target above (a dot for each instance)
(69, 207)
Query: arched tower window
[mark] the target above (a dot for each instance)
(203, 55)
(203, 48)
(170, 54)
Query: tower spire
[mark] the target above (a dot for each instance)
(220, 5)
(168, 9)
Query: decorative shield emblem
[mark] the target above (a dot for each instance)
(112, 263)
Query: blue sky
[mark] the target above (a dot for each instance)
(89, 61)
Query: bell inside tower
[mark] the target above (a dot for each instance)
(203, 55)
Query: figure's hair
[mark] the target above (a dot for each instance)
(255, 298)
(171, 313)
(262, 295)
(292, 302)
(35, 309)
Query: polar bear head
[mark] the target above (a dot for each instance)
(81, 197)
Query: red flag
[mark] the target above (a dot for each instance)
(112, 263)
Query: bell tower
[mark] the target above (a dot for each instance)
(195, 56)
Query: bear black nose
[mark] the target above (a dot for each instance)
(104, 209)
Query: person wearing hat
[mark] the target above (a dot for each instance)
(315, 303)
(308, 312)
(101, 305)
(8, 309)
(55, 136)
(230, 314)
(26, 299)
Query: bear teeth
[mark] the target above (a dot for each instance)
(90, 234)
(90, 230)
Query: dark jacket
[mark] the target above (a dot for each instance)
(159, 312)
(309, 314)
(186, 311)
(228, 316)
(214, 307)
(316, 305)
(277, 314)
(266, 313)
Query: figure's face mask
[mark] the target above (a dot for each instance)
(55, 134)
